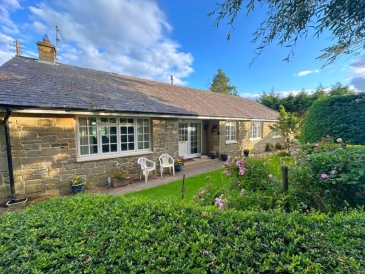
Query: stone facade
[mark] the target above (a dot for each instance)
(45, 155)
(44, 152)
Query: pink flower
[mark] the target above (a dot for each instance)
(270, 176)
(324, 176)
(328, 137)
(308, 143)
(242, 191)
(316, 144)
(333, 171)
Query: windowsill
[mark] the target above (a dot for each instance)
(231, 142)
(255, 139)
(276, 137)
(112, 156)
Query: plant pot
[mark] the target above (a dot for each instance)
(121, 182)
(16, 204)
(213, 156)
(246, 153)
(224, 157)
(77, 188)
(178, 167)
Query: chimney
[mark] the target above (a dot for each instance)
(46, 51)
(18, 48)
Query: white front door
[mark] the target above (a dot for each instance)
(190, 139)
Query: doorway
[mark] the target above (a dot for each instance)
(190, 139)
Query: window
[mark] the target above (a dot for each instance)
(276, 133)
(255, 130)
(231, 131)
(112, 135)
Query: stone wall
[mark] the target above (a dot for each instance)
(45, 155)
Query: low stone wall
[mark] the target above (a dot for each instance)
(45, 155)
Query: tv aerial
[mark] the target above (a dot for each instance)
(58, 34)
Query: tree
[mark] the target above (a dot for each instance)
(221, 84)
(289, 20)
(287, 124)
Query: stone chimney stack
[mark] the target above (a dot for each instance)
(46, 51)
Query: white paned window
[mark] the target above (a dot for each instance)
(112, 135)
(255, 130)
(231, 132)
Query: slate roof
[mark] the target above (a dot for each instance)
(28, 83)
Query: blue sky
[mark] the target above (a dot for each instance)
(154, 39)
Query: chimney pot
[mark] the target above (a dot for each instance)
(46, 39)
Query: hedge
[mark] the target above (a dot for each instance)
(106, 234)
(339, 117)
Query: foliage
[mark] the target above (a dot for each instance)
(120, 173)
(78, 180)
(283, 153)
(287, 124)
(300, 103)
(246, 150)
(287, 21)
(330, 177)
(110, 234)
(220, 84)
(179, 161)
(269, 147)
(337, 116)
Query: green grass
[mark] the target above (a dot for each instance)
(172, 191)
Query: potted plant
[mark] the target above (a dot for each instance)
(213, 154)
(120, 177)
(178, 164)
(246, 152)
(224, 156)
(77, 184)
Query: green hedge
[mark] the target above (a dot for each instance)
(339, 117)
(106, 234)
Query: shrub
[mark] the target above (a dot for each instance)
(341, 116)
(283, 153)
(295, 141)
(279, 145)
(330, 180)
(110, 234)
(269, 147)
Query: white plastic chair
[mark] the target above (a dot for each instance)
(146, 167)
(167, 161)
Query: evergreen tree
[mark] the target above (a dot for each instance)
(221, 84)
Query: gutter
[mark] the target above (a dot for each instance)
(8, 151)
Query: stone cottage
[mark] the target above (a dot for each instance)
(61, 121)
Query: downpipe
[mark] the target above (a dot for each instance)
(9, 155)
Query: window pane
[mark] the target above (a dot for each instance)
(123, 130)
(105, 148)
(84, 150)
(104, 120)
(112, 120)
(113, 138)
(114, 147)
(130, 121)
(82, 121)
(130, 130)
(131, 146)
(113, 130)
(123, 120)
(124, 147)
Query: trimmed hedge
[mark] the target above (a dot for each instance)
(106, 234)
(339, 117)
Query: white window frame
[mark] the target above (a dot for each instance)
(231, 131)
(137, 138)
(256, 130)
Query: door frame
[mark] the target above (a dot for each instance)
(189, 140)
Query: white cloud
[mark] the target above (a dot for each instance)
(357, 75)
(128, 37)
(305, 72)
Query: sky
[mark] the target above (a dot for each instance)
(154, 39)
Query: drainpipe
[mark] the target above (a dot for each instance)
(8, 151)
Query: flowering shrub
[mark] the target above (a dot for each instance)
(77, 181)
(329, 180)
(119, 174)
(220, 202)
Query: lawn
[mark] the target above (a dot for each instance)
(172, 191)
